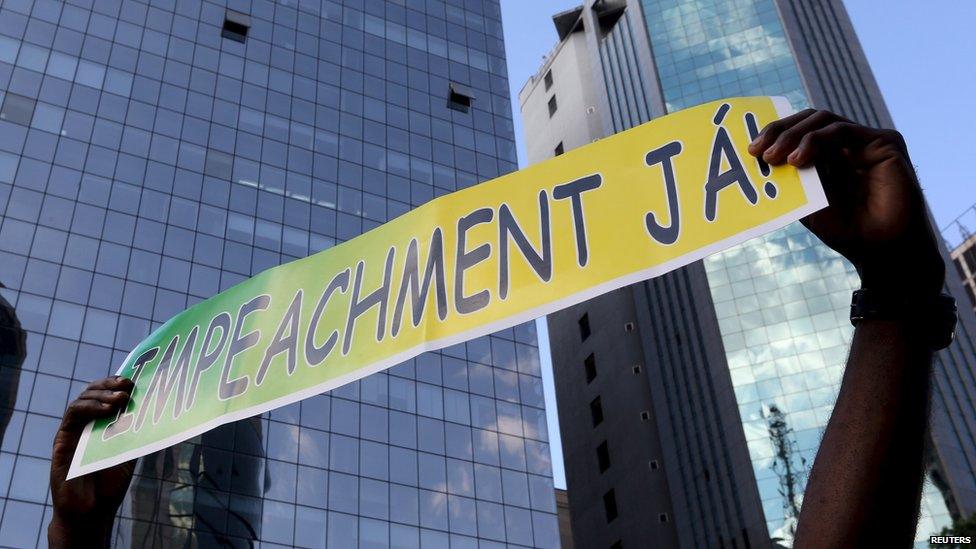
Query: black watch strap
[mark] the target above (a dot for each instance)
(935, 315)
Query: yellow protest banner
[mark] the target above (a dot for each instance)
(623, 209)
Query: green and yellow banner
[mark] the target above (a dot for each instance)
(615, 212)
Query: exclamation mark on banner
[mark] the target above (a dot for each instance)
(769, 188)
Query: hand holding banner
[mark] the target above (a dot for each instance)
(618, 211)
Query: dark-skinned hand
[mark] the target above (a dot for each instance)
(85, 506)
(876, 217)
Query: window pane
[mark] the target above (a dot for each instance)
(90, 74)
(17, 108)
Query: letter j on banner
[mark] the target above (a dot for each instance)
(615, 212)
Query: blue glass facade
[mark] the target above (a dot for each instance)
(782, 300)
(147, 162)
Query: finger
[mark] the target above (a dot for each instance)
(830, 138)
(114, 383)
(881, 146)
(772, 130)
(83, 411)
(79, 413)
(104, 395)
(789, 138)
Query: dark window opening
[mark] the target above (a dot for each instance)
(589, 363)
(645, 415)
(584, 326)
(663, 517)
(959, 268)
(559, 149)
(552, 106)
(654, 465)
(596, 410)
(236, 25)
(603, 456)
(610, 505)
(970, 256)
(617, 545)
(460, 97)
(548, 79)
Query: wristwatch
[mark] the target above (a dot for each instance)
(935, 315)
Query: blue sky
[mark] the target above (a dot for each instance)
(922, 54)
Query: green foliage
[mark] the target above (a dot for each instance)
(960, 528)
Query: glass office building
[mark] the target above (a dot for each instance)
(782, 300)
(153, 153)
(744, 351)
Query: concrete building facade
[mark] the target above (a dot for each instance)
(714, 382)
(154, 153)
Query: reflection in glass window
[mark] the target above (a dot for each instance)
(219, 164)
(343, 530)
(518, 525)
(48, 118)
(374, 498)
(433, 510)
(90, 74)
(21, 523)
(17, 108)
(375, 460)
(9, 49)
(313, 487)
(460, 477)
(310, 527)
(62, 65)
(515, 488)
(8, 166)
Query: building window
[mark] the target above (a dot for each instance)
(610, 505)
(617, 545)
(970, 255)
(460, 97)
(236, 25)
(653, 464)
(17, 108)
(552, 106)
(584, 326)
(662, 517)
(603, 456)
(596, 410)
(589, 363)
(559, 149)
(959, 268)
(548, 79)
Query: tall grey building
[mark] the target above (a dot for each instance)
(691, 406)
(153, 153)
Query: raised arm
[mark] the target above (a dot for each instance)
(866, 480)
(85, 507)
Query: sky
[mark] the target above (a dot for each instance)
(922, 55)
